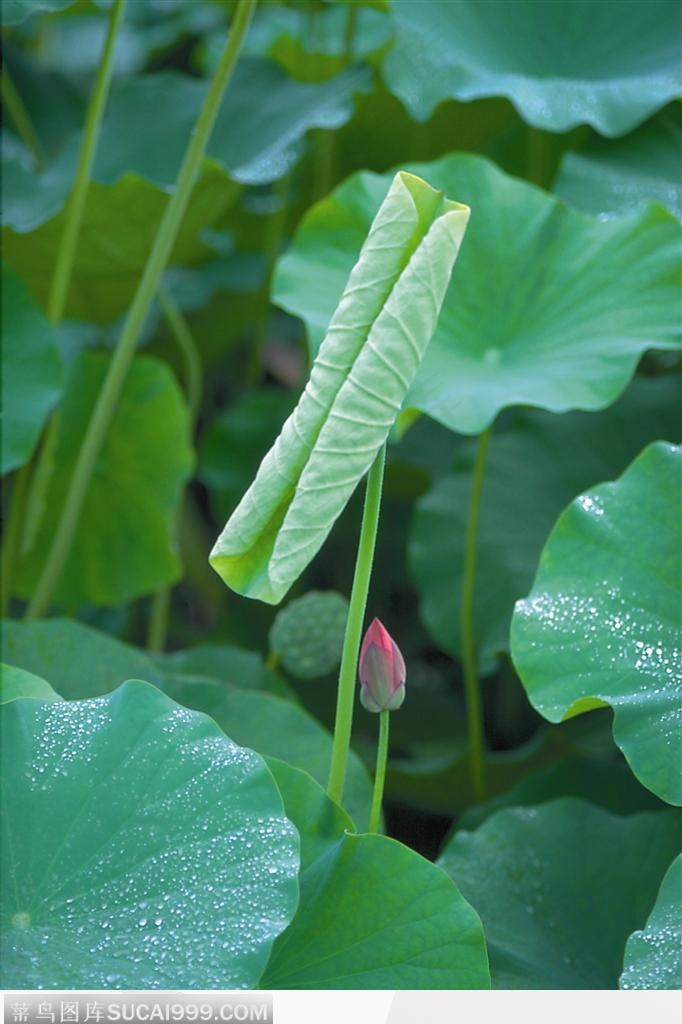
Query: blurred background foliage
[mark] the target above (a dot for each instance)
(324, 90)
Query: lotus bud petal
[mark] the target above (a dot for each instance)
(381, 670)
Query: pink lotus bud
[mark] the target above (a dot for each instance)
(381, 670)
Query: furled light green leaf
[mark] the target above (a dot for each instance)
(308, 634)
(79, 661)
(653, 956)
(548, 307)
(275, 728)
(622, 176)
(170, 860)
(602, 622)
(535, 466)
(372, 349)
(16, 683)
(373, 914)
(560, 887)
(561, 62)
(31, 372)
(123, 546)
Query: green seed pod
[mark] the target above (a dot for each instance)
(308, 634)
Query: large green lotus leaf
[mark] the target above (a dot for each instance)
(653, 956)
(83, 662)
(236, 441)
(170, 859)
(15, 11)
(147, 32)
(221, 663)
(608, 784)
(149, 118)
(622, 176)
(123, 546)
(438, 778)
(16, 683)
(547, 56)
(79, 661)
(119, 226)
(257, 134)
(560, 887)
(275, 728)
(313, 47)
(371, 352)
(548, 307)
(535, 467)
(601, 624)
(257, 138)
(31, 372)
(373, 914)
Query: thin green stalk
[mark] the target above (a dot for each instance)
(345, 699)
(22, 119)
(272, 661)
(380, 773)
(472, 687)
(272, 245)
(349, 32)
(160, 606)
(75, 206)
(58, 293)
(147, 288)
(190, 353)
(158, 620)
(12, 534)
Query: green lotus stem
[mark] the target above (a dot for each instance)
(160, 607)
(190, 353)
(125, 349)
(22, 119)
(13, 533)
(472, 686)
(158, 620)
(272, 245)
(272, 661)
(349, 33)
(380, 773)
(75, 206)
(345, 699)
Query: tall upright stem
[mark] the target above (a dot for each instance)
(75, 206)
(472, 687)
(380, 773)
(157, 629)
(345, 699)
(20, 116)
(190, 354)
(158, 620)
(11, 540)
(350, 31)
(125, 348)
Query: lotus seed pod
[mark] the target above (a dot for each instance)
(308, 634)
